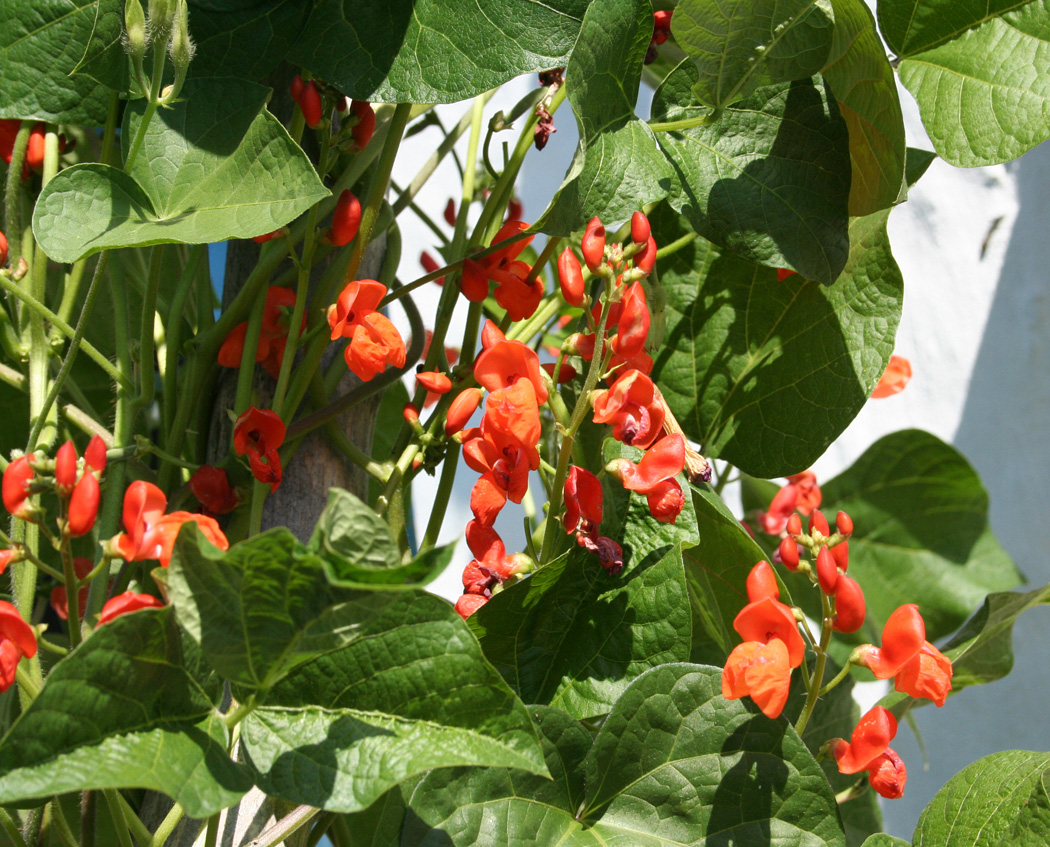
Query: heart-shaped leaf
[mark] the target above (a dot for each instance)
(131, 708)
(434, 51)
(766, 373)
(979, 71)
(741, 44)
(768, 178)
(215, 166)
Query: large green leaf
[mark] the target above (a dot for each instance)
(434, 51)
(244, 39)
(409, 691)
(674, 764)
(131, 708)
(921, 532)
(982, 651)
(215, 166)
(979, 71)
(863, 83)
(767, 373)
(741, 44)
(997, 801)
(768, 178)
(574, 637)
(104, 58)
(40, 44)
(617, 167)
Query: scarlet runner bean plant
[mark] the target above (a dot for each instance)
(713, 301)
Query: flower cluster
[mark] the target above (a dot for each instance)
(761, 666)
(258, 433)
(375, 344)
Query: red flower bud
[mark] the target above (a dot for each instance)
(633, 327)
(434, 381)
(844, 523)
(818, 522)
(410, 413)
(783, 273)
(211, 487)
(841, 555)
(849, 605)
(567, 373)
(3, 249)
(309, 101)
(346, 219)
(827, 571)
(366, 123)
(463, 406)
(268, 236)
(450, 212)
(83, 506)
(65, 469)
(762, 582)
(17, 477)
(789, 553)
(593, 244)
(645, 259)
(794, 525)
(95, 454)
(515, 209)
(583, 502)
(297, 87)
(473, 281)
(570, 277)
(639, 228)
(491, 335)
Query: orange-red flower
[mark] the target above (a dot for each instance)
(894, 378)
(809, 496)
(144, 503)
(503, 363)
(918, 668)
(801, 493)
(259, 432)
(16, 640)
(512, 293)
(126, 603)
(632, 329)
(583, 502)
(273, 336)
(375, 343)
(17, 477)
(166, 530)
(630, 405)
(869, 750)
(212, 488)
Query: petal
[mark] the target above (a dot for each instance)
(769, 678)
(902, 638)
(766, 619)
(871, 738)
(927, 674)
(888, 775)
(762, 582)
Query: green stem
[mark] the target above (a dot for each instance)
(152, 103)
(77, 342)
(147, 365)
(60, 825)
(109, 134)
(841, 675)
(116, 813)
(212, 833)
(173, 329)
(72, 591)
(167, 826)
(286, 826)
(684, 123)
(677, 245)
(449, 466)
(138, 829)
(13, 190)
(818, 671)
(11, 828)
(70, 290)
(246, 373)
(38, 308)
(26, 681)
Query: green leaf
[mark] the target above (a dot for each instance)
(244, 40)
(716, 570)
(768, 178)
(982, 651)
(674, 764)
(767, 373)
(104, 59)
(215, 166)
(617, 167)
(434, 51)
(865, 88)
(474, 806)
(997, 801)
(921, 532)
(129, 709)
(388, 423)
(741, 44)
(979, 71)
(40, 45)
(409, 691)
(573, 637)
(881, 839)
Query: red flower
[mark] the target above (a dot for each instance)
(65, 469)
(583, 502)
(809, 495)
(376, 345)
(259, 432)
(346, 219)
(126, 603)
(434, 381)
(273, 334)
(144, 504)
(869, 750)
(503, 363)
(366, 123)
(592, 245)
(894, 378)
(17, 639)
(570, 277)
(430, 265)
(462, 408)
(166, 530)
(801, 493)
(761, 672)
(918, 668)
(212, 488)
(849, 605)
(630, 405)
(663, 461)
(762, 582)
(60, 600)
(468, 604)
(83, 506)
(3, 250)
(361, 297)
(17, 477)
(12, 554)
(633, 327)
(497, 266)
